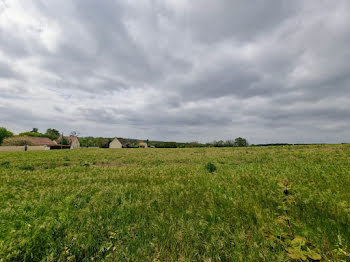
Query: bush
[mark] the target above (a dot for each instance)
(37, 134)
(241, 142)
(27, 167)
(5, 164)
(210, 167)
(33, 134)
(4, 133)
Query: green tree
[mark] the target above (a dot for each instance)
(4, 133)
(35, 130)
(102, 142)
(240, 142)
(52, 133)
(88, 141)
(74, 133)
(220, 143)
(34, 134)
(65, 141)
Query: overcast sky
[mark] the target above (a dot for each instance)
(183, 70)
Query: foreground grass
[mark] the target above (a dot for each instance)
(261, 204)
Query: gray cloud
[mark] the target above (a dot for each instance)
(216, 20)
(273, 71)
(6, 71)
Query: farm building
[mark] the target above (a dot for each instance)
(73, 141)
(29, 141)
(115, 143)
(143, 144)
(127, 143)
(24, 143)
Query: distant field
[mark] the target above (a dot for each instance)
(261, 204)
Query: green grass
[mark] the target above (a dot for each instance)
(260, 204)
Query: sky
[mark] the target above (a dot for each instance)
(178, 70)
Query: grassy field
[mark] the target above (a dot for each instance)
(260, 204)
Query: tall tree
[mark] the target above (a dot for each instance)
(4, 133)
(102, 142)
(240, 142)
(74, 133)
(52, 133)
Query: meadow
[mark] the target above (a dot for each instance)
(205, 204)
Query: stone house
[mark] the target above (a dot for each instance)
(29, 143)
(143, 144)
(115, 143)
(73, 141)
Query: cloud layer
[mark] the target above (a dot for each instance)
(271, 71)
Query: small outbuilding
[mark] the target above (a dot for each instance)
(24, 143)
(73, 141)
(143, 144)
(115, 144)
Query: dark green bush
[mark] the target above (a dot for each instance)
(27, 167)
(5, 164)
(210, 167)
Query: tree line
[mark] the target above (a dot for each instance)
(103, 142)
(51, 133)
(238, 142)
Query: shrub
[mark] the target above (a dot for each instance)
(63, 141)
(4, 133)
(33, 134)
(5, 164)
(27, 167)
(210, 167)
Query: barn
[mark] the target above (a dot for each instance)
(24, 143)
(115, 144)
(73, 141)
(143, 144)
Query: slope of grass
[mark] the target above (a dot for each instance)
(260, 204)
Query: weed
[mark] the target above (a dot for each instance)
(27, 167)
(210, 167)
(297, 247)
(5, 164)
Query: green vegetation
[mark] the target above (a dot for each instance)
(261, 204)
(103, 142)
(238, 142)
(94, 142)
(4, 133)
(63, 140)
(52, 133)
(210, 167)
(33, 134)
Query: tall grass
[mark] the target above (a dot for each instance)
(164, 205)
